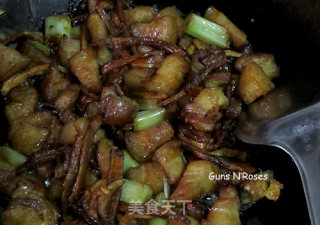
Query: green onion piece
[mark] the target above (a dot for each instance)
(56, 26)
(134, 192)
(45, 49)
(10, 159)
(149, 118)
(75, 32)
(207, 31)
(128, 162)
(145, 104)
(104, 55)
(158, 221)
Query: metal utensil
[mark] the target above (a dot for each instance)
(298, 134)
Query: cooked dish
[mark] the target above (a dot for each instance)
(125, 115)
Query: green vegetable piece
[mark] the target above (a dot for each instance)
(45, 49)
(207, 31)
(128, 162)
(10, 159)
(133, 191)
(104, 55)
(158, 221)
(149, 118)
(56, 26)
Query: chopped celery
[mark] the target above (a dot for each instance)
(128, 162)
(10, 159)
(206, 30)
(133, 191)
(104, 55)
(145, 104)
(45, 49)
(149, 118)
(56, 26)
(158, 221)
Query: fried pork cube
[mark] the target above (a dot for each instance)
(225, 210)
(150, 174)
(170, 157)
(137, 78)
(195, 181)
(71, 129)
(172, 11)
(253, 83)
(28, 205)
(170, 76)
(142, 144)
(203, 112)
(238, 37)
(68, 97)
(96, 28)
(11, 62)
(52, 84)
(164, 28)
(140, 14)
(85, 67)
(118, 109)
(267, 187)
(23, 101)
(67, 49)
(27, 134)
(264, 60)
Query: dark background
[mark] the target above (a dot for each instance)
(289, 29)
